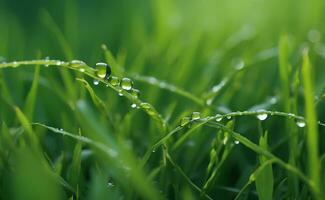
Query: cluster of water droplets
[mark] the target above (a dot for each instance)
(188, 119)
(104, 71)
(262, 115)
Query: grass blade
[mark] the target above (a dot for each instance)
(311, 119)
(31, 97)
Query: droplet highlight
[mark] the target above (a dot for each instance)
(103, 70)
(126, 84)
(114, 81)
(96, 82)
(262, 116)
(300, 123)
(195, 116)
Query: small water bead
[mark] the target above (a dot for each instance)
(300, 123)
(133, 105)
(59, 63)
(236, 142)
(238, 63)
(47, 59)
(126, 84)
(218, 118)
(113, 80)
(261, 116)
(195, 116)
(185, 121)
(103, 70)
(15, 64)
(135, 93)
(96, 82)
(76, 63)
(229, 117)
(110, 184)
(82, 70)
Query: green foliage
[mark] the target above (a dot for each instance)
(206, 99)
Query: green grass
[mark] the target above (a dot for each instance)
(253, 70)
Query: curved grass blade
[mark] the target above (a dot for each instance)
(312, 130)
(148, 108)
(179, 169)
(167, 86)
(144, 189)
(31, 97)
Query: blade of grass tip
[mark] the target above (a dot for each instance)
(254, 176)
(31, 97)
(264, 182)
(109, 58)
(312, 129)
(31, 137)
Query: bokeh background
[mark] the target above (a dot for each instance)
(194, 45)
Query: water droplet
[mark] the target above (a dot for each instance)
(300, 123)
(77, 63)
(113, 80)
(209, 102)
(218, 118)
(133, 105)
(236, 142)
(195, 116)
(238, 63)
(96, 82)
(135, 93)
(107, 85)
(59, 63)
(103, 70)
(185, 121)
(47, 59)
(110, 184)
(126, 84)
(154, 150)
(15, 64)
(229, 117)
(82, 70)
(61, 129)
(261, 116)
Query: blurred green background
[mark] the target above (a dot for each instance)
(194, 45)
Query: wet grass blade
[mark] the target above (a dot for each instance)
(264, 181)
(311, 119)
(31, 97)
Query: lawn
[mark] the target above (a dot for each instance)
(162, 99)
